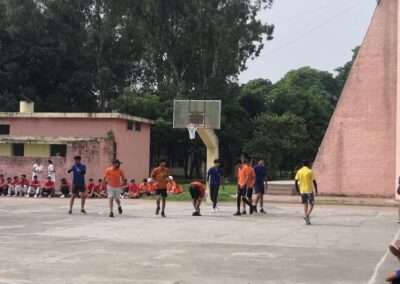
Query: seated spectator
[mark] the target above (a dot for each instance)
(34, 187)
(172, 187)
(3, 185)
(65, 188)
(133, 190)
(153, 186)
(124, 187)
(101, 188)
(91, 189)
(12, 187)
(8, 184)
(22, 186)
(49, 187)
(145, 188)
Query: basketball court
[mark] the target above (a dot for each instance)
(40, 243)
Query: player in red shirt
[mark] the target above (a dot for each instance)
(197, 192)
(12, 185)
(124, 188)
(133, 190)
(34, 187)
(65, 187)
(49, 187)
(101, 188)
(91, 192)
(3, 185)
(22, 186)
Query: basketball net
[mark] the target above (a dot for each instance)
(192, 128)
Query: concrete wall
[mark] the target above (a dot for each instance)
(357, 155)
(5, 150)
(89, 150)
(133, 147)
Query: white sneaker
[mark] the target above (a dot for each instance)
(27, 195)
(62, 196)
(217, 208)
(35, 196)
(213, 210)
(8, 195)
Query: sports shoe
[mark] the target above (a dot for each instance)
(62, 196)
(35, 196)
(217, 208)
(194, 213)
(252, 209)
(49, 196)
(119, 209)
(262, 211)
(158, 210)
(214, 210)
(163, 214)
(244, 212)
(395, 251)
(255, 209)
(70, 212)
(27, 195)
(8, 195)
(237, 214)
(307, 220)
(398, 221)
(111, 214)
(83, 212)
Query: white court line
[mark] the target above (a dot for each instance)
(373, 280)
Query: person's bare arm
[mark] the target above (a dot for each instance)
(296, 184)
(315, 186)
(391, 277)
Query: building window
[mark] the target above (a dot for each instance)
(4, 129)
(58, 150)
(138, 126)
(18, 150)
(129, 125)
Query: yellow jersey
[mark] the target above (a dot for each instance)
(305, 177)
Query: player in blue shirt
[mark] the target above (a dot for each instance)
(260, 184)
(215, 176)
(78, 183)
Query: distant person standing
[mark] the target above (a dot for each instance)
(305, 177)
(215, 176)
(244, 192)
(51, 171)
(37, 169)
(114, 176)
(78, 183)
(260, 184)
(160, 176)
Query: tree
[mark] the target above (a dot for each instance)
(254, 96)
(279, 139)
(344, 71)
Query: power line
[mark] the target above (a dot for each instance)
(314, 29)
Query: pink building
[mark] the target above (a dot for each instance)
(97, 137)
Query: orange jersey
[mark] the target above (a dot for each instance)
(114, 176)
(246, 173)
(200, 186)
(145, 187)
(160, 176)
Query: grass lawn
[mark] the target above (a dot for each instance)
(224, 196)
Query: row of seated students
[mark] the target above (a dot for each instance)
(21, 186)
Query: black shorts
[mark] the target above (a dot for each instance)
(194, 192)
(259, 188)
(245, 192)
(307, 198)
(77, 189)
(162, 191)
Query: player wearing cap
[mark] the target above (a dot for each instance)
(160, 175)
(197, 192)
(78, 183)
(113, 177)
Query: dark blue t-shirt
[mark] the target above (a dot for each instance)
(78, 177)
(261, 172)
(214, 175)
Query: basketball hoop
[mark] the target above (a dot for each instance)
(192, 128)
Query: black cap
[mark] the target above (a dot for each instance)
(77, 158)
(117, 162)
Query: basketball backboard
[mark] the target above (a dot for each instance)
(203, 113)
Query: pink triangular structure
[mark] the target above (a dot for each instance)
(358, 153)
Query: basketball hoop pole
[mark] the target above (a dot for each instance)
(211, 141)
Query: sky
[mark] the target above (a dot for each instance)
(315, 33)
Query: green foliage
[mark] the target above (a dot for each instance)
(280, 139)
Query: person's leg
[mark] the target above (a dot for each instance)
(310, 209)
(38, 191)
(163, 199)
(158, 198)
(198, 204)
(71, 201)
(212, 194)
(257, 200)
(261, 199)
(216, 192)
(305, 209)
(194, 203)
(111, 203)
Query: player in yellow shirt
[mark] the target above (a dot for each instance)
(305, 185)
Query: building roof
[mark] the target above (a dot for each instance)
(44, 139)
(75, 115)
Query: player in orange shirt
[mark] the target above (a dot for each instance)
(113, 176)
(172, 187)
(145, 188)
(197, 192)
(160, 176)
(244, 180)
(250, 185)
